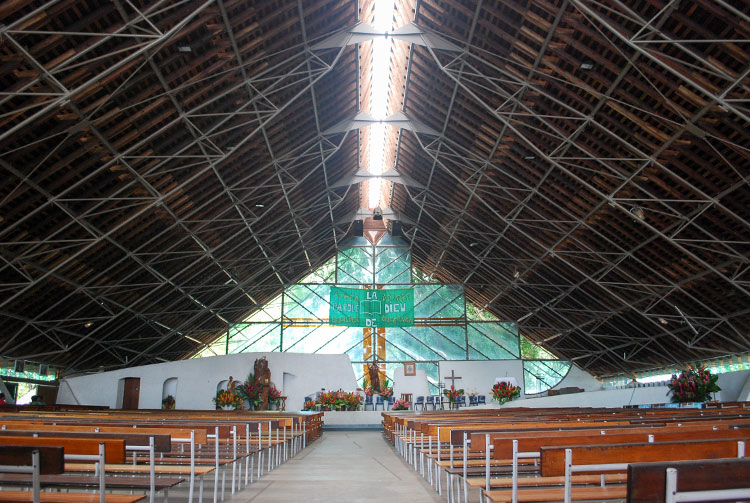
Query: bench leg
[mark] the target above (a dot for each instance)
(223, 480)
(247, 467)
(166, 495)
(437, 478)
(200, 489)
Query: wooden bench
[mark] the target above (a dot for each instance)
(650, 482)
(57, 497)
(114, 449)
(567, 460)
(47, 461)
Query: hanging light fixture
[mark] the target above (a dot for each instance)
(638, 212)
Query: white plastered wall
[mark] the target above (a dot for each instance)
(197, 379)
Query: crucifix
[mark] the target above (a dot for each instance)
(453, 378)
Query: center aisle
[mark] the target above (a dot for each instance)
(345, 466)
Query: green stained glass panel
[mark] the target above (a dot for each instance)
(254, 337)
(541, 375)
(493, 341)
(308, 301)
(355, 265)
(439, 301)
(392, 265)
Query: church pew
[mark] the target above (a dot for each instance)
(565, 461)
(419, 420)
(34, 461)
(270, 435)
(71, 481)
(114, 449)
(647, 482)
(58, 497)
(50, 463)
(162, 443)
(162, 435)
(531, 448)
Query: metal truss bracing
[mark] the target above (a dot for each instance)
(604, 192)
(581, 166)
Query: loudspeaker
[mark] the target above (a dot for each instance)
(396, 230)
(359, 228)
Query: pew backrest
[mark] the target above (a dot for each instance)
(503, 448)
(51, 461)
(553, 458)
(647, 481)
(114, 449)
(162, 443)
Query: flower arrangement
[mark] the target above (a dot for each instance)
(274, 395)
(250, 390)
(327, 400)
(168, 403)
(400, 405)
(452, 393)
(352, 401)
(504, 392)
(310, 405)
(386, 389)
(226, 398)
(339, 400)
(367, 388)
(693, 385)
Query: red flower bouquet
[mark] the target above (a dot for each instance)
(504, 392)
(693, 385)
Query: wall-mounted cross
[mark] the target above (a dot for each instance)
(452, 378)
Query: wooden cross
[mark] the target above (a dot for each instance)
(453, 378)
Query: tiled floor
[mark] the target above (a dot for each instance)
(352, 467)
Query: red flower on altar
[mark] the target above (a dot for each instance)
(504, 392)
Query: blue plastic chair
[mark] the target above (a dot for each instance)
(420, 401)
(482, 400)
(379, 401)
(473, 400)
(430, 401)
(461, 401)
(368, 401)
(391, 401)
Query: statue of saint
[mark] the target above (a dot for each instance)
(262, 376)
(374, 375)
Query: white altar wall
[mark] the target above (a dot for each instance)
(295, 374)
(416, 384)
(479, 376)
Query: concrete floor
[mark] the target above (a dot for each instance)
(346, 466)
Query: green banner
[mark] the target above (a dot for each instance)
(353, 307)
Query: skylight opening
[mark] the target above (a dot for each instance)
(380, 75)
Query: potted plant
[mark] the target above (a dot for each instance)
(228, 400)
(400, 405)
(310, 405)
(327, 400)
(274, 397)
(693, 385)
(452, 394)
(352, 401)
(250, 391)
(168, 403)
(504, 392)
(386, 389)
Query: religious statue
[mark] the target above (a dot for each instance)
(374, 373)
(231, 385)
(263, 378)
